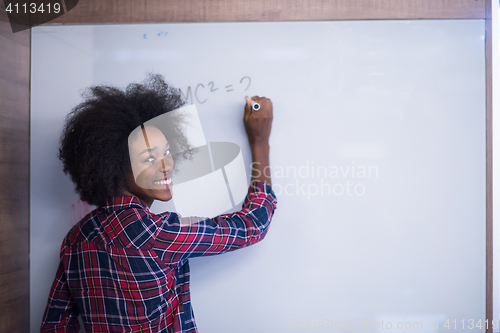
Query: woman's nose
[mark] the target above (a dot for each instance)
(166, 164)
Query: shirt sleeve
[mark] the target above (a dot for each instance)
(61, 313)
(178, 240)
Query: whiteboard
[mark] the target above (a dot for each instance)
(378, 154)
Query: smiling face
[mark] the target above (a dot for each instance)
(152, 165)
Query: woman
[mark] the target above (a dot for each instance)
(123, 268)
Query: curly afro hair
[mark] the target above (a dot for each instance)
(94, 142)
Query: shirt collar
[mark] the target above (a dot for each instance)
(123, 202)
(130, 231)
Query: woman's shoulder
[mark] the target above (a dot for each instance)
(87, 229)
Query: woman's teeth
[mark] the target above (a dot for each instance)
(163, 182)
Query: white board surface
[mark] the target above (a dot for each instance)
(389, 116)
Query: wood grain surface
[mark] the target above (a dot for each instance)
(14, 177)
(98, 11)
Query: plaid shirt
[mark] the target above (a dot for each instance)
(125, 269)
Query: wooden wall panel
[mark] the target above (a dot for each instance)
(99, 11)
(14, 177)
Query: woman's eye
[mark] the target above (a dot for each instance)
(167, 153)
(150, 159)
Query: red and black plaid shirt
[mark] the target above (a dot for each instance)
(125, 269)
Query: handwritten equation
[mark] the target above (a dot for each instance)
(201, 93)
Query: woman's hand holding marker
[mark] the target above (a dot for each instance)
(255, 105)
(258, 128)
